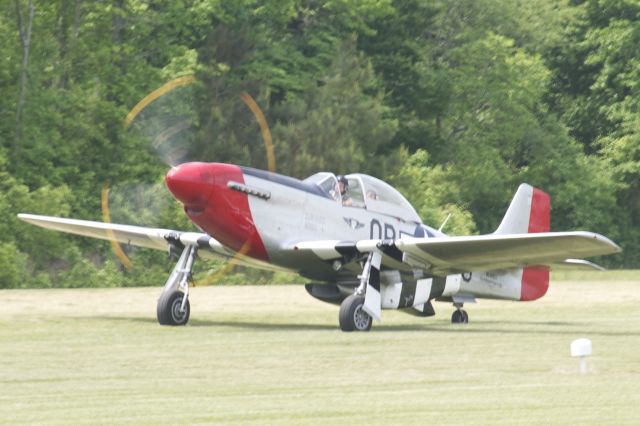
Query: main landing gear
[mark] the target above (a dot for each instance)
(170, 309)
(173, 304)
(459, 316)
(352, 315)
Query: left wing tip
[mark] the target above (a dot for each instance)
(27, 217)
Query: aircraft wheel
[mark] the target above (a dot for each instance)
(460, 316)
(169, 312)
(352, 317)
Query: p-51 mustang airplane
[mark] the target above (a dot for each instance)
(365, 250)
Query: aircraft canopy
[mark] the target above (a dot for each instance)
(367, 192)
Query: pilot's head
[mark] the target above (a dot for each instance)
(343, 184)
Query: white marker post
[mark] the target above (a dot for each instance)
(581, 348)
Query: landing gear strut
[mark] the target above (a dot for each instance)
(173, 304)
(459, 316)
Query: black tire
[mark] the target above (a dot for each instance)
(459, 317)
(352, 317)
(169, 309)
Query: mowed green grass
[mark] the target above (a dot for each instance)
(274, 355)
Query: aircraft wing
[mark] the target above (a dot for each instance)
(155, 238)
(448, 255)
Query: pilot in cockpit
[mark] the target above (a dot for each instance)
(343, 187)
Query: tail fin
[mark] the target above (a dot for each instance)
(529, 211)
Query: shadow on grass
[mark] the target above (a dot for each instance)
(256, 325)
(212, 323)
(477, 328)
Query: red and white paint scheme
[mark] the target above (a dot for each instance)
(359, 242)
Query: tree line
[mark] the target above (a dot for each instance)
(453, 102)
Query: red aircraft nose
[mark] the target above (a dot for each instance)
(219, 210)
(191, 183)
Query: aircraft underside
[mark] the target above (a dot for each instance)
(361, 297)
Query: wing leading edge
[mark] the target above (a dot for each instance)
(450, 255)
(154, 238)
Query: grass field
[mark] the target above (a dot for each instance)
(274, 355)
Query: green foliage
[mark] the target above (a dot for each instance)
(13, 266)
(326, 125)
(597, 96)
(455, 102)
(431, 194)
(80, 273)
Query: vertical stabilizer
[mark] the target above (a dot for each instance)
(529, 212)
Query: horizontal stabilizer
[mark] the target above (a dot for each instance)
(576, 264)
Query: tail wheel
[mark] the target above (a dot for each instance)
(170, 310)
(460, 316)
(352, 315)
